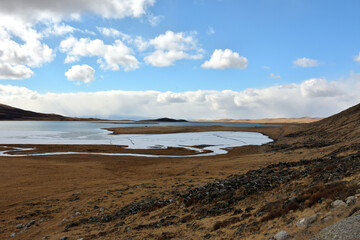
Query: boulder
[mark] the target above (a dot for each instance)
(350, 200)
(282, 235)
(338, 203)
(306, 221)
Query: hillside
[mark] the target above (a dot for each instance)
(339, 127)
(8, 113)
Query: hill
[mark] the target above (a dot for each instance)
(165, 119)
(8, 113)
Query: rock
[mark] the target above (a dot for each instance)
(345, 229)
(282, 235)
(20, 226)
(13, 235)
(327, 218)
(306, 221)
(29, 224)
(207, 236)
(338, 203)
(249, 209)
(64, 238)
(350, 200)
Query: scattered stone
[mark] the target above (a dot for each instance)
(249, 209)
(350, 200)
(327, 218)
(306, 221)
(13, 235)
(70, 225)
(238, 211)
(207, 236)
(20, 226)
(338, 204)
(64, 238)
(29, 224)
(282, 235)
(119, 224)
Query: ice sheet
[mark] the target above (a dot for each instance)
(218, 141)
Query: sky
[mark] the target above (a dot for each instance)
(193, 59)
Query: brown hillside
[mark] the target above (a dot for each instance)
(343, 126)
(8, 113)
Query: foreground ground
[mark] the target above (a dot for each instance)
(253, 192)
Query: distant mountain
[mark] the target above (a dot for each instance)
(163, 120)
(8, 113)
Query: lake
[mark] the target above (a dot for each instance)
(78, 132)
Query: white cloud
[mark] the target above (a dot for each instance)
(170, 47)
(357, 58)
(306, 62)
(210, 31)
(161, 58)
(14, 72)
(57, 29)
(274, 76)
(109, 56)
(222, 59)
(313, 97)
(18, 56)
(154, 20)
(83, 73)
(319, 87)
(20, 19)
(112, 32)
(36, 10)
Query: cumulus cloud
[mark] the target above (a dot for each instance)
(222, 59)
(109, 56)
(14, 72)
(21, 46)
(274, 76)
(36, 10)
(319, 87)
(83, 73)
(170, 47)
(313, 97)
(19, 56)
(306, 62)
(357, 58)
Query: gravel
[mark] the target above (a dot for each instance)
(345, 229)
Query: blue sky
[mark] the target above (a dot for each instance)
(191, 59)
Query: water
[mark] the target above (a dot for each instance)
(54, 132)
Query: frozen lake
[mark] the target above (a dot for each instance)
(89, 133)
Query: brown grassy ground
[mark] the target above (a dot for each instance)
(79, 196)
(268, 120)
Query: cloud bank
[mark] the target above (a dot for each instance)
(318, 97)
